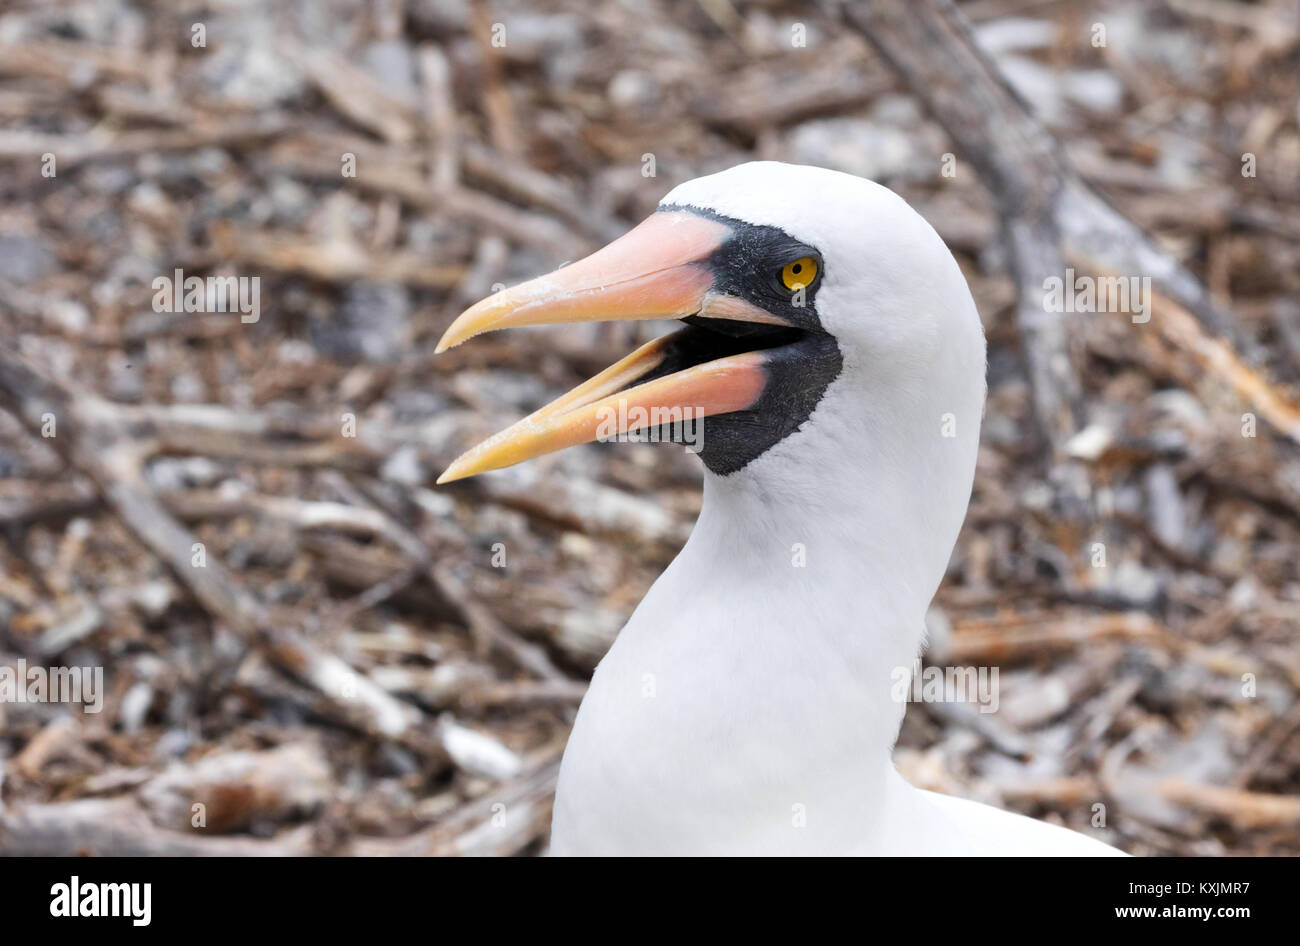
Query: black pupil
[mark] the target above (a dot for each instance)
(797, 267)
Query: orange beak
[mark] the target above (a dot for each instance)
(659, 270)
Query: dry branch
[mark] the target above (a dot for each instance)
(113, 464)
(119, 827)
(1048, 213)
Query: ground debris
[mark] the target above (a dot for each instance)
(236, 520)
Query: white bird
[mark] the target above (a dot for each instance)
(749, 705)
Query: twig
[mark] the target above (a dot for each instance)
(113, 464)
(1048, 212)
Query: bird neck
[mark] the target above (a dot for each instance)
(853, 521)
(839, 577)
(829, 549)
(754, 684)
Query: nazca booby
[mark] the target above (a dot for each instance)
(833, 346)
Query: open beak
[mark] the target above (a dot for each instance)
(659, 270)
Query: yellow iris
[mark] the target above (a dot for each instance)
(799, 274)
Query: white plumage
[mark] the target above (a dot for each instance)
(746, 707)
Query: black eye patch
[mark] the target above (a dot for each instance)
(801, 358)
(749, 266)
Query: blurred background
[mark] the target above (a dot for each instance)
(304, 638)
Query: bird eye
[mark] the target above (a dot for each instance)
(799, 274)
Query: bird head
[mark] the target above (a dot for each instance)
(817, 307)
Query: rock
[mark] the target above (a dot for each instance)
(236, 788)
(25, 259)
(1136, 583)
(863, 148)
(404, 468)
(249, 71)
(135, 706)
(1168, 516)
(1090, 443)
(1036, 84)
(632, 87)
(1098, 90)
(68, 315)
(371, 326)
(175, 473)
(1015, 34)
(391, 64)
